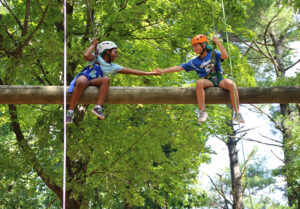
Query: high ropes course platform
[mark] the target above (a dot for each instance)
(18, 94)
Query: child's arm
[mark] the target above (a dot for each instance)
(224, 55)
(170, 69)
(88, 52)
(137, 72)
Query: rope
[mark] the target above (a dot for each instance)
(230, 64)
(93, 28)
(65, 103)
(91, 18)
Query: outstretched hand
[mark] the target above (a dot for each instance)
(155, 72)
(158, 70)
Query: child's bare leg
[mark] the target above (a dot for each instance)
(81, 83)
(103, 89)
(231, 87)
(200, 93)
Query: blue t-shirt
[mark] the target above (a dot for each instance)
(203, 66)
(107, 68)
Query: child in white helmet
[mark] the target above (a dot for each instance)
(208, 66)
(96, 73)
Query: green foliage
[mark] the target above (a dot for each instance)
(141, 155)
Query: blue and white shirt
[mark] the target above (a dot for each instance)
(203, 66)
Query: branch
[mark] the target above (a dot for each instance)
(28, 153)
(128, 149)
(124, 6)
(12, 13)
(27, 14)
(39, 5)
(7, 30)
(133, 144)
(290, 48)
(277, 157)
(251, 129)
(261, 51)
(256, 58)
(292, 65)
(51, 203)
(271, 139)
(246, 52)
(222, 189)
(219, 138)
(253, 140)
(222, 194)
(265, 42)
(270, 118)
(36, 28)
(244, 168)
(258, 49)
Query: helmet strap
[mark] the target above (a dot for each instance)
(109, 60)
(203, 50)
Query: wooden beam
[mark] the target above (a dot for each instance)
(147, 95)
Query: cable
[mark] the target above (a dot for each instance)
(65, 103)
(91, 18)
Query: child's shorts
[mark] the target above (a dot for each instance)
(90, 72)
(215, 78)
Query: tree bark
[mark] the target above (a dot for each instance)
(147, 95)
(236, 178)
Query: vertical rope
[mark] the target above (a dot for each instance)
(65, 103)
(93, 28)
(230, 64)
(91, 18)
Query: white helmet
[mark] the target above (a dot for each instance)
(106, 45)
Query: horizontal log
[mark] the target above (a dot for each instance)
(147, 95)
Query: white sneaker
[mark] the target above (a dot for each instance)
(238, 118)
(202, 116)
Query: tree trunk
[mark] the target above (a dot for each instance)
(237, 191)
(292, 193)
(288, 152)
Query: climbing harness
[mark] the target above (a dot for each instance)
(90, 72)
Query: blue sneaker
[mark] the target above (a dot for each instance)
(70, 116)
(98, 111)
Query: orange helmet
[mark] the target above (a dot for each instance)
(200, 39)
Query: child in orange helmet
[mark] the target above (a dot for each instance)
(209, 68)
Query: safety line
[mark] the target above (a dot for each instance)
(91, 18)
(65, 103)
(234, 93)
